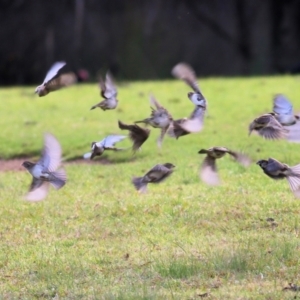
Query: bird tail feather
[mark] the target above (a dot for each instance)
(139, 184)
(58, 179)
(87, 155)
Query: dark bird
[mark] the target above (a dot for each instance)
(106, 144)
(277, 170)
(283, 110)
(208, 170)
(156, 175)
(53, 81)
(160, 118)
(44, 171)
(137, 134)
(109, 92)
(268, 127)
(194, 123)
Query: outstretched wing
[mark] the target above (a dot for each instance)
(54, 70)
(241, 158)
(281, 105)
(186, 73)
(209, 172)
(108, 89)
(51, 155)
(39, 193)
(111, 140)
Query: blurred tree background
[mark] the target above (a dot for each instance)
(144, 39)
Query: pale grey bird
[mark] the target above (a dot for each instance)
(209, 171)
(108, 143)
(277, 170)
(156, 175)
(109, 92)
(283, 110)
(160, 118)
(268, 127)
(53, 81)
(194, 123)
(45, 172)
(137, 134)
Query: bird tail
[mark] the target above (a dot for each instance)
(139, 184)
(203, 151)
(124, 126)
(58, 179)
(87, 155)
(93, 107)
(294, 179)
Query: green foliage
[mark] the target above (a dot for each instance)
(97, 238)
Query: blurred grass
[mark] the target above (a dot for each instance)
(98, 239)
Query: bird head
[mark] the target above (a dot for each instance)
(197, 99)
(169, 165)
(262, 163)
(28, 165)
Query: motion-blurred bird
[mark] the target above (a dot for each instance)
(160, 118)
(268, 127)
(44, 171)
(194, 123)
(109, 92)
(186, 73)
(277, 170)
(53, 81)
(283, 110)
(208, 170)
(106, 144)
(137, 134)
(156, 175)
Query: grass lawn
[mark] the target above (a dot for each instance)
(97, 238)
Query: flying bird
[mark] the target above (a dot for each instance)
(45, 172)
(277, 170)
(186, 73)
(53, 81)
(194, 123)
(137, 134)
(108, 143)
(156, 175)
(208, 170)
(283, 110)
(109, 92)
(160, 118)
(268, 127)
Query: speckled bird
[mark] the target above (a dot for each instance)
(208, 170)
(157, 174)
(160, 118)
(53, 81)
(137, 134)
(108, 91)
(277, 170)
(268, 127)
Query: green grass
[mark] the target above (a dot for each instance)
(97, 238)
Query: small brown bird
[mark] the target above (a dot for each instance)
(209, 172)
(44, 171)
(137, 134)
(109, 92)
(160, 118)
(53, 81)
(268, 127)
(283, 110)
(107, 143)
(277, 170)
(156, 175)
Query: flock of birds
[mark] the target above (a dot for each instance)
(272, 125)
